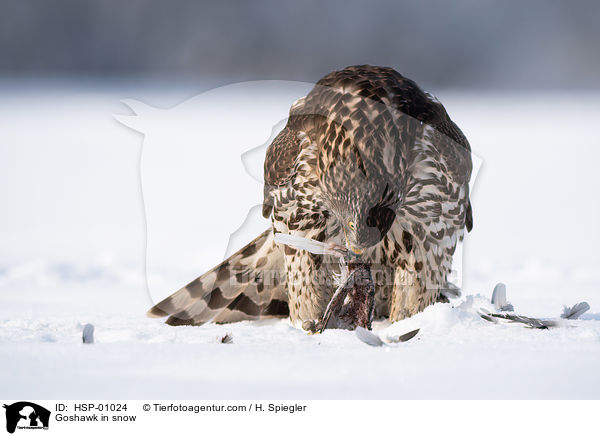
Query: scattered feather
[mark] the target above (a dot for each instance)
(529, 322)
(310, 245)
(575, 311)
(87, 335)
(499, 295)
(226, 339)
(499, 298)
(368, 337)
(372, 339)
(487, 316)
(451, 291)
(406, 336)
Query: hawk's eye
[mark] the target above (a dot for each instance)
(351, 225)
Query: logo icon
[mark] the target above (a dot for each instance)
(26, 415)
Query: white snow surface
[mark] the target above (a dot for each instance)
(73, 238)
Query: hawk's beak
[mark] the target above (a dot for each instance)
(355, 250)
(352, 248)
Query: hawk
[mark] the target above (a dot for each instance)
(367, 160)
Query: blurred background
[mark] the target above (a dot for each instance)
(520, 78)
(466, 44)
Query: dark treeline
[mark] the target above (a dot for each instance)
(467, 43)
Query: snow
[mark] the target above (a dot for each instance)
(73, 232)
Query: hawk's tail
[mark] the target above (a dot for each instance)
(247, 285)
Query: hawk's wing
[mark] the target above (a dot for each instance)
(279, 161)
(285, 148)
(455, 151)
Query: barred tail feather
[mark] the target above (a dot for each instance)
(247, 285)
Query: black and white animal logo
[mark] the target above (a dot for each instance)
(26, 415)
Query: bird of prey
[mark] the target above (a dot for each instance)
(367, 160)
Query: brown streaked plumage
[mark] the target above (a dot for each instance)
(369, 160)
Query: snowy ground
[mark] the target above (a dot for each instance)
(73, 238)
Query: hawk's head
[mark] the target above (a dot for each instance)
(364, 206)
